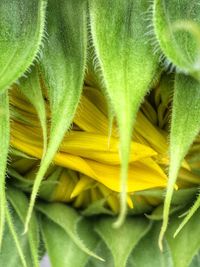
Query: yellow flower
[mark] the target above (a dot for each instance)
(90, 156)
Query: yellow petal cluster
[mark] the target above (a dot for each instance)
(89, 155)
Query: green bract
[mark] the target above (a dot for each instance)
(62, 67)
(21, 33)
(176, 26)
(50, 50)
(123, 72)
(184, 129)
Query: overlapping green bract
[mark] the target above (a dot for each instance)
(62, 68)
(177, 29)
(69, 254)
(132, 245)
(128, 235)
(20, 204)
(21, 32)
(181, 253)
(126, 64)
(67, 219)
(185, 125)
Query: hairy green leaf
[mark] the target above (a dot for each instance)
(126, 64)
(67, 218)
(186, 244)
(122, 241)
(147, 252)
(185, 125)
(62, 251)
(63, 67)
(68, 254)
(21, 32)
(177, 29)
(20, 205)
(15, 249)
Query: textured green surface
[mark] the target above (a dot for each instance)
(185, 126)
(67, 218)
(63, 68)
(55, 238)
(122, 241)
(21, 33)
(176, 25)
(121, 49)
(20, 204)
(123, 63)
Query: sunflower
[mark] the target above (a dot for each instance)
(88, 156)
(99, 126)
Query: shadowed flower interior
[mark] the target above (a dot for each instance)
(86, 168)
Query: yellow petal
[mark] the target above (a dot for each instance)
(140, 176)
(83, 184)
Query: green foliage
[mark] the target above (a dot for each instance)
(185, 125)
(122, 241)
(147, 252)
(20, 204)
(17, 249)
(62, 68)
(55, 237)
(186, 244)
(68, 219)
(177, 29)
(21, 33)
(121, 48)
(122, 61)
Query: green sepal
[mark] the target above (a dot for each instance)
(177, 203)
(179, 251)
(62, 69)
(121, 241)
(176, 26)
(21, 33)
(186, 244)
(66, 218)
(185, 125)
(20, 204)
(61, 249)
(121, 48)
(15, 249)
(147, 252)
